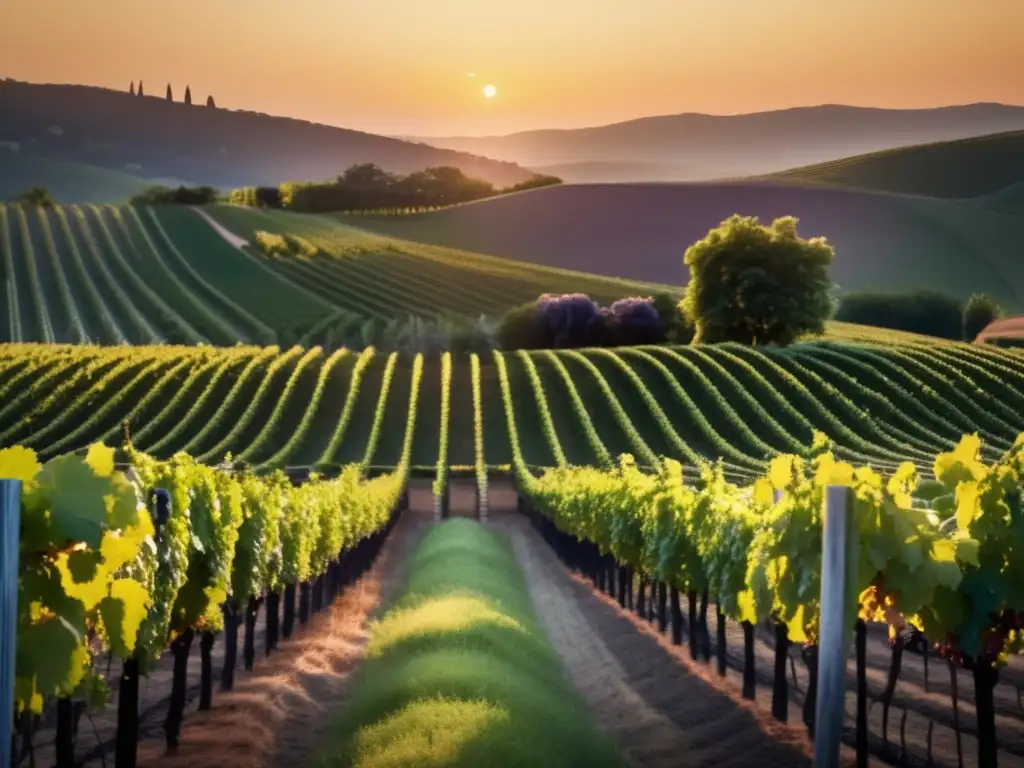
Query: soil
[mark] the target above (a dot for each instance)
(279, 714)
(660, 713)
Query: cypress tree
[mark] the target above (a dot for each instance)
(140, 89)
(188, 95)
(210, 103)
(170, 96)
(131, 90)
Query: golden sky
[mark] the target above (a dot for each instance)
(400, 66)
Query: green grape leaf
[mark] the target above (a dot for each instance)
(88, 590)
(53, 652)
(76, 498)
(121, 547)
(967, 551)
(123, 612)
(101, 459)
(82, 565)
(19, 463)
(123, 508)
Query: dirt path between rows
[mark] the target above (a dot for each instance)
(280, 713)
(662, 715)
(220, 229)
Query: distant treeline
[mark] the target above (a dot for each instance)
(368, 187)
(925, 312)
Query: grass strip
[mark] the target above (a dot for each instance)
(459, 672)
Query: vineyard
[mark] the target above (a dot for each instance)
(220, 429)
(272, 408)
(115, 274)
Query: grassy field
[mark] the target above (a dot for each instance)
(950, 169)
(459, 673)
(67, 181)
(881, 401)
(640, 231)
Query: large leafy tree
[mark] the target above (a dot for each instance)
(757, 284)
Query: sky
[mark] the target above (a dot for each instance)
(401, 67)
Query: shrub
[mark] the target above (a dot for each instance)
(927, 312)
(37, 196)
(521, 328)
(571, 320)
(979, 312)
(299, 246)
(757, 284)
(636, 320)
(158, 195)
(271, 244)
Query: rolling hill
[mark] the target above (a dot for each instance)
(66, 181)
(640, 232)
(152, 138)
(694, 147)
(971, 167)
(881, 402)
(114, 274)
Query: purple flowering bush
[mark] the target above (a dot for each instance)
(574, 320)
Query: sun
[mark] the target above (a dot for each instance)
(490, 91)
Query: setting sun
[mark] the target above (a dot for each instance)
(490, 91)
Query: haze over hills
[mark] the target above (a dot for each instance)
(693, 147)
(152, 138)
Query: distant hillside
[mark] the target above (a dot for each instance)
(614, 171)
(68, 182)
(693, 147)
(954, 169)
(640, 232)
(1008, 199)
(151, 137)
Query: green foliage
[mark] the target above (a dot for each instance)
(159, 195)
(979, 311)
(757, 548)
(757, 284)
(678, 330)
(36, 196)
(539, 180)
(926, 312)
(82, 531)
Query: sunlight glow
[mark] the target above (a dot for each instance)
(490, 91)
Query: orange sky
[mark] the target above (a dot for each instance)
(399, 66)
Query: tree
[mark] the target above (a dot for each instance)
(927, 312)
(140, 89)
(37, 196)
(210, 103)
(757, 284)
(131, 90)
(170, 96)
(188, 96)
(979, 312)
